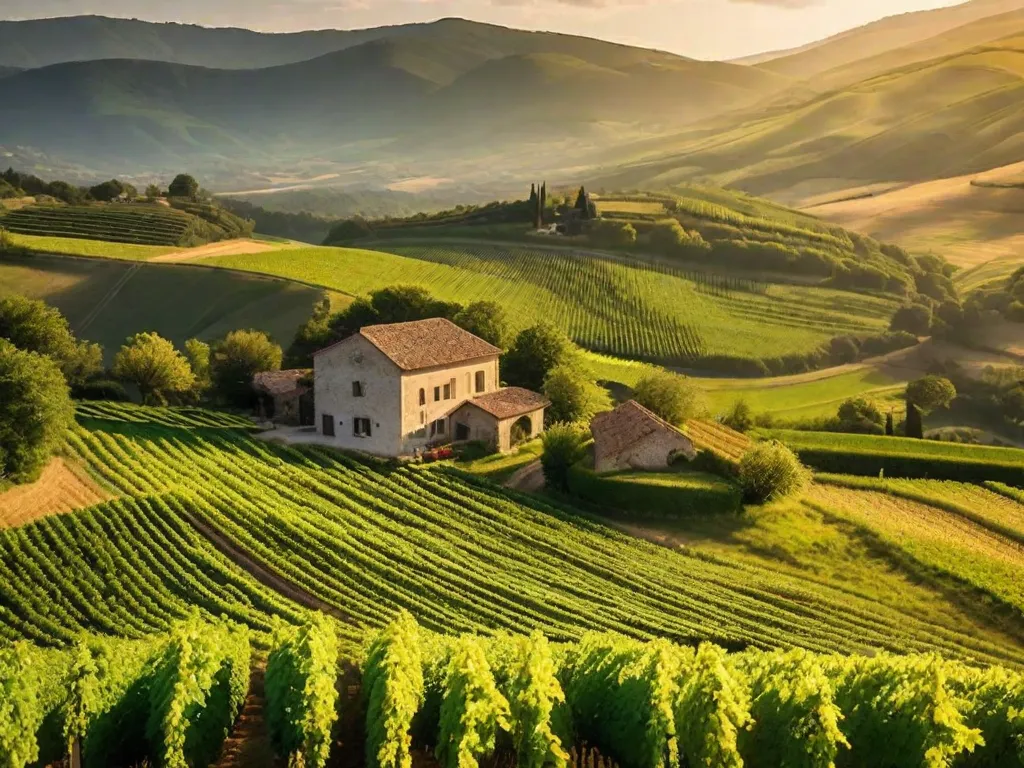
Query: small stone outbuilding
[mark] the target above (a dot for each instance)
(285, 397)
(494, 417)
(633, 437)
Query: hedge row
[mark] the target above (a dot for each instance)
(656, 494)
(901, 457)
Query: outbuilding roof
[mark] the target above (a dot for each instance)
(431, 343)
(279, 382)
(615, 431)
(510, 402)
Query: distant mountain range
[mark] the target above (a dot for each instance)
(906, 98)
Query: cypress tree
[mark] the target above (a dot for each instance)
(915, 426)
(890, 428)
(543, 200)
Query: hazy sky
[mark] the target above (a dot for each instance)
(707, 29)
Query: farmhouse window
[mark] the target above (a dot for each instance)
(437, 394)
(438, 427)
(481, 381)
(447, 391)
(328, 425)
(423, 396)
(453, 386)
(357, 389)
(361, 427)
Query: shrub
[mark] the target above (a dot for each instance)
(101, 389)
(740, 418)
(770, 471)
(860, 415)
(672, 397)
(564, 446)
(534, 353)
(573, 394)
(237, 358)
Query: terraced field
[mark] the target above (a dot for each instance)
(635, 310)
(138, 224)
(459, 553)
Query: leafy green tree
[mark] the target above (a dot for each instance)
(740, 418)
(112, 190)
(771, 471)
(914, 318)
(154, 366)
(198, 354)
(183, 186)
(33, 326)
(348, 230)
(487, 320)
(153, 192)
(612, 234)
(860, 416)
(573, 394)
(6, 241)
(535, 351)
(931, 392)
(35, 412)
(674, 398)
(8, 190)
(564, 446)
(236, 359)
(312, 335)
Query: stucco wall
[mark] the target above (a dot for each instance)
(416, 416)
(486, 428)
(651, 452)
(356, 359)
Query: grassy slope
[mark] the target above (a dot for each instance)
(71, 246)
(940, 118)
(106, 301)
(975, 227)
(670, 314)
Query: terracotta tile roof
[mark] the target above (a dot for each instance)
(426, 343)
(615, 431)
(510, 402)
(279, 382)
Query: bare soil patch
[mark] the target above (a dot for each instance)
(63, 487)
(222, 248)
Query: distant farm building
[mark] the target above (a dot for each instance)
(285, 397)
(632, 437)
(396, 389)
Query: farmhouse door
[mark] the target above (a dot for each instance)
(461, 432)
(328, 425)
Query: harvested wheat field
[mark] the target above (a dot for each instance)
(967, 223)
(63, 487)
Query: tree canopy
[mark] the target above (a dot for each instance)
(931, 392)
(573, 394)
(33, 326)
(535, 351)
(183, 186)
(236, 359)
(487, 320)
(152, 364)
(35, 412)
(674, 398)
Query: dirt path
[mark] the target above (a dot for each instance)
(248, 745)
(263, 575)
(222, 248)
(63, 487)
(529, 478)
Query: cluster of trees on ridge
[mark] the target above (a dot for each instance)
(695, 230)
(184, 193)
(43, 365)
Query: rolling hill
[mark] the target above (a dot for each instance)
(436, 82)
(946, 117)
(892, 32)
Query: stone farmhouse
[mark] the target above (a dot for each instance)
(632, 437)
(396, 389)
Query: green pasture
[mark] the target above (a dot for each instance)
(107, 300)
(71, 246)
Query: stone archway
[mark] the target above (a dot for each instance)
(522, 430)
